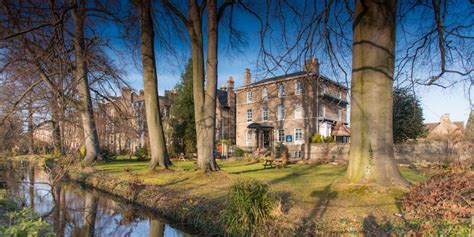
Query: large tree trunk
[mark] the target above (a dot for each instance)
(91, 139)
(371, 150)
(159, 155)
(207, 131)
(204, 101)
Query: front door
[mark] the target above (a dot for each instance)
(266, 139)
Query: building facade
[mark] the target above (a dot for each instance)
(289, 109)
(121, 120)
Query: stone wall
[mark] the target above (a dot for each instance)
(431, 151)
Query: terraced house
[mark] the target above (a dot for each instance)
(289, 109)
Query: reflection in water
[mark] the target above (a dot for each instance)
(75, 211)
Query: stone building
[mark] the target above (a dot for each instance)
(225, 112)
(445, 130)
(289, 109)
(121, 120)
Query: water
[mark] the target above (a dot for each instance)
(76, 211)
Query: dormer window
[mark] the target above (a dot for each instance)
(281, 90)
(249, 96)
(265, 93)
(298, 87)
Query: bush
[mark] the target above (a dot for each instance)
(280, 148)
(248, 207)
(25, 222)
(141, 153)
(239, 152)
(442, 204)
(318, 138)
(106, 153)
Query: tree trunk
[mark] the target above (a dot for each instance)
(204, 101)
(207, 160)
(91, 139)
(159, 154)
(31, 125)
(371, 150)
(90, 214)
(157, 228)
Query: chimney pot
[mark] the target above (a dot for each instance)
(311, 65)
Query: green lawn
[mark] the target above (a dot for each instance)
(304, 190)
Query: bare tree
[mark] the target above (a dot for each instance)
(433, 51)
(88, 124)
(204, 86)
(159, 154)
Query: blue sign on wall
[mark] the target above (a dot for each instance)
(289, 138)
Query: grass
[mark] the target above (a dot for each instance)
(305, 191)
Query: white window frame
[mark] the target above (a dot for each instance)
(249, 115)
(281, 90)
(281, 135)
(249, 95)
(298, 139)
(281, 112)
(323, 109)
(298, 111)
(265, 93)
(298, 87)
(265, 113)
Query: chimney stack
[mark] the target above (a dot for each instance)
(247, 77)
(311, 65)
(230, 92)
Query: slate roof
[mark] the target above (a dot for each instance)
(294, 74)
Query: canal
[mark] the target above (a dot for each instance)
(73, 210)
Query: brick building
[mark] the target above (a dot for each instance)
(289, 109)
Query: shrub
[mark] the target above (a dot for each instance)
(248, 207)
(25, 222)
(280, 148)
(106, 153)
(442, 204)
(141, 153)
(318, 138)
(239, 152)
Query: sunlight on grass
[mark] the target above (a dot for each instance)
(302, 181)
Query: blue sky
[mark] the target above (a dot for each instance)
(435, 100)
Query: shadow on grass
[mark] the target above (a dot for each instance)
(174, 182)
(293, 175)
(325, 196)
(372, 228)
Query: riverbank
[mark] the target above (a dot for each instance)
(309, 198)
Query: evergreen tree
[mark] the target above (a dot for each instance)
(407, 116)
(182, 114)
(469, 131)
